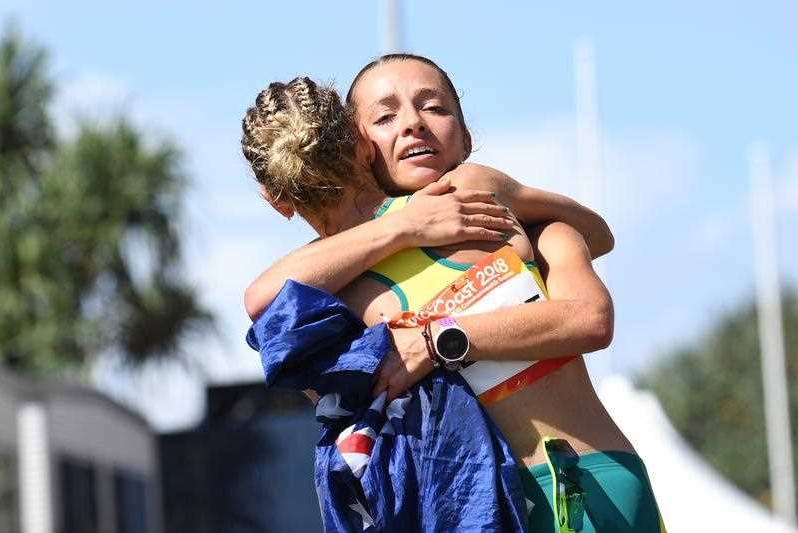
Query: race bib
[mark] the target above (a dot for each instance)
(500, 279)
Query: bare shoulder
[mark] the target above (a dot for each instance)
(558, 241)
(481, 177)
(559, 231)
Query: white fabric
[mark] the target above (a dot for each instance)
(691, 495)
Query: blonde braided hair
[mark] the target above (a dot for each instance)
(300, 141)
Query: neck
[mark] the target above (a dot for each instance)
(356, 206)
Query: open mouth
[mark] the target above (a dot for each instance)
(417, 151)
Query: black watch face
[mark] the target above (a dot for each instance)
(452, 344)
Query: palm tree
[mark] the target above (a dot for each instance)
(25, 91)
(90, 230)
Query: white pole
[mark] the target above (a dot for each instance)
(588, 156)
(587, 134)
(35, 498)
(771, 336)
(391, 26)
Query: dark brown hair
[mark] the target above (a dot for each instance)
(390, 58)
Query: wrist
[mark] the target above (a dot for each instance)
(387, 237)
(450, 343)
(429, 342)
(407, 234)
(423, 358)
(401, 232)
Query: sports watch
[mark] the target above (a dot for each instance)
(451, 344)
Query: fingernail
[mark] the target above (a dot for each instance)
(505, 236)
(506, 209)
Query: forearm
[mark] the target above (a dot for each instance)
(538, 331)
(540, 207)
(431, 220)
(528, 332)
(329, 264)
(577, 318)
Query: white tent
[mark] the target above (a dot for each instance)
(692, 497)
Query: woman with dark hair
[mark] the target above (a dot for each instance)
(413, 133)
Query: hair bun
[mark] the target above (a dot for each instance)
(293, 143)
(300, 141)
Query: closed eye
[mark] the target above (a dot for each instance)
(437, 109)
(382, 119)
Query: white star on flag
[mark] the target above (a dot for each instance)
(359, 509)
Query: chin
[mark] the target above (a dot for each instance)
(419, 178)
(408, 181)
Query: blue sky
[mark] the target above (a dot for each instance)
(683, 88)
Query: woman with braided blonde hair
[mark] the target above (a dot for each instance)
(307, 157)
(304, 150)
(412, 136)
(284, 130)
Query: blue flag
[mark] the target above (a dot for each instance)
(430, 460)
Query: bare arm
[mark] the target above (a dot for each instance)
(577, 319)
(429, 220)
(535, 206)
(328, 263)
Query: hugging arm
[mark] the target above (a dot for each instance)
(429, 220)
(535, 206)
(577, 318)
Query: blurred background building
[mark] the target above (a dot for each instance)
(247, 467)
(74, 461)
(71, 460)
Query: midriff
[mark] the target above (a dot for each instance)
(563, 405)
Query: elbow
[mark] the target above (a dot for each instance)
(605, 244)
(256, 299)
(610, 242)
(600, 325)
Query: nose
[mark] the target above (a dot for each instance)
(413, 122)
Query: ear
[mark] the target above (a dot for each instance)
(466, 144)
(281, 206)
(364, 150)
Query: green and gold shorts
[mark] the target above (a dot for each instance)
(603, 492)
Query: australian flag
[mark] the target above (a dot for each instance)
(430, 460)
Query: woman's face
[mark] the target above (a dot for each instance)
(405, 109)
